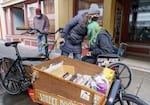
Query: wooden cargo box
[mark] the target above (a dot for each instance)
(51, 89)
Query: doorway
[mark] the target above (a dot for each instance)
(18, 19)
(118, 24)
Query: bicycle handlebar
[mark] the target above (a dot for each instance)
(22, 28)
(34, 30)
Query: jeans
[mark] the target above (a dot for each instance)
(115, 50)
(119, 51)
(75, 55)
(39, 40)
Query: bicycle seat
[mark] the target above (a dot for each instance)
(12, 43)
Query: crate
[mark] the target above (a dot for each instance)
(50, 89)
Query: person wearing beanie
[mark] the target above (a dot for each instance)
(73, 35)
(99, 39)
(41, 23)
(94, 9)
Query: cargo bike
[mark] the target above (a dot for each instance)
(51, 89)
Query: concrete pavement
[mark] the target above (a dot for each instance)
(140, 67)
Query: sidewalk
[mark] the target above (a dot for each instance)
(140, 67)
(137, 62)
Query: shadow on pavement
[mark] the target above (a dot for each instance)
(22, 99)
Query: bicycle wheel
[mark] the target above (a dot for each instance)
(11, 82)
(122, 72)
(5, 64)
(129, 99)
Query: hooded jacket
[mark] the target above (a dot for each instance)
(73, 34)
(103, 44)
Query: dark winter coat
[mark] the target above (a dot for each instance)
(73, 34)
(103, 44)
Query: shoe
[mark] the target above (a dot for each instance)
(123, 44)
(39, 55)
(43, 55)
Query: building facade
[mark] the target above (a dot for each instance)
(128, 21)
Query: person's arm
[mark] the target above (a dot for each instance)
(103, 45)
(47, 24)
(69, 26)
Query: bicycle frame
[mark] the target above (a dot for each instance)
(113, 93)
(33, 31)
(20, 79)
(18, 61)
(0, 70)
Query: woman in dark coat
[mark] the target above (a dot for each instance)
(73, 35)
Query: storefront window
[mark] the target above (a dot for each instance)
(139, 21)
(84, 5)
(14, 18)
(47, 8)
(8, 20)
(31, 12)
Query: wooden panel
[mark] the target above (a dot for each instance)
(109, 15)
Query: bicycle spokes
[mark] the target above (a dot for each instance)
(11, 85)
(122, 72)
(11, 82)
(2, 74)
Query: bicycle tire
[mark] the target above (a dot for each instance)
(11, 81)
(5, 64)
(129, 99)
(122, 72)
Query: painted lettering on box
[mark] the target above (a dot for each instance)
(62, 102)
(54, 100)
(48, 99)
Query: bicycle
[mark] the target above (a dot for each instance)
(118, 96)
(112, 61)
(13, 75)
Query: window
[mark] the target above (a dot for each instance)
(139, 21)
(47, 8)
(31, 12)
(8, 21)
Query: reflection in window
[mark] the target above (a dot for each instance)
(139, 21)
(31, 12)
(49, 6)
(84, 5)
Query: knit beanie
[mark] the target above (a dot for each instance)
(38, 11)
(93, 9)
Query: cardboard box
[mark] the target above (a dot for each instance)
(59, 72)
(50, 89)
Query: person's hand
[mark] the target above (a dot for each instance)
(42, 43)
(85, 46)
(61, 40)
(88, 54)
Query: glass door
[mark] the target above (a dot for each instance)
(118, 24)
